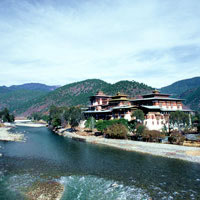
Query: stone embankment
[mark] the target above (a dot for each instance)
(191, 154)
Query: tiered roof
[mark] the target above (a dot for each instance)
(156, 95)
(119, 97)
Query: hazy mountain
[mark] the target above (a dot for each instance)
(30, 86)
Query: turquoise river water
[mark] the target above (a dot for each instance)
(92, 172)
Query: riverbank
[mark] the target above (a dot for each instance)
(191, 154)
(5, 135)
(29, 123)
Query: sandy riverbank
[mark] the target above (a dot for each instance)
(191, 154)
(5, 135)
(29, 123)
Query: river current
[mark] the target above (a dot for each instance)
(92, 172)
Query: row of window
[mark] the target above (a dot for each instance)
(158, 122)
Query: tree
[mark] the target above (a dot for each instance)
(56, 122)
(54, 116)
(5, 116)
(75, 116)
(164, 130)
(62, 115)
(179, 119)
(139, 115)
(196, 121)
(90, 123)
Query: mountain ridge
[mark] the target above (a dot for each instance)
(181, 86)
(188, 89)
(35, 97)
(30, 86)
(78, 93)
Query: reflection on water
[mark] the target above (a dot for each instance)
(93, 171)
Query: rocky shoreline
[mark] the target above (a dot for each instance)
(186, 153)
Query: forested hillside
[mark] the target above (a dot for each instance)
(182, 86)
(188, 89)
(15, 97)
(192, 98)
(78, 94)
(28, 98)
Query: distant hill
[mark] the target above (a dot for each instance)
(30, 86)
(192, 98)
(14, 97)
(182, 86)
(188, 89)
(78, 93)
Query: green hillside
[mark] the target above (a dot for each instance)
(182, 86)
(15, 97)
(131, 88)
(78, 94)
(28, 98)
(192, 98)
(188, 89)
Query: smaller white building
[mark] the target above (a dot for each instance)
(157, 108)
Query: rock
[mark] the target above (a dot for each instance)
(50, 190)
(114, 185)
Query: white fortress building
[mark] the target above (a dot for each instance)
(156, 107)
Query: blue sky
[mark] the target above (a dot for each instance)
(156, 42)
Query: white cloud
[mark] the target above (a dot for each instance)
(151, 41)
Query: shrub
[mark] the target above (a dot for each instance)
(153, 135)
(140, 129)
(176, 138)
(117, 131)
(101, 125)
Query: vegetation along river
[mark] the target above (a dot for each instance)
(90, 171)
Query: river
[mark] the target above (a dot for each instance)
(92, 172)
